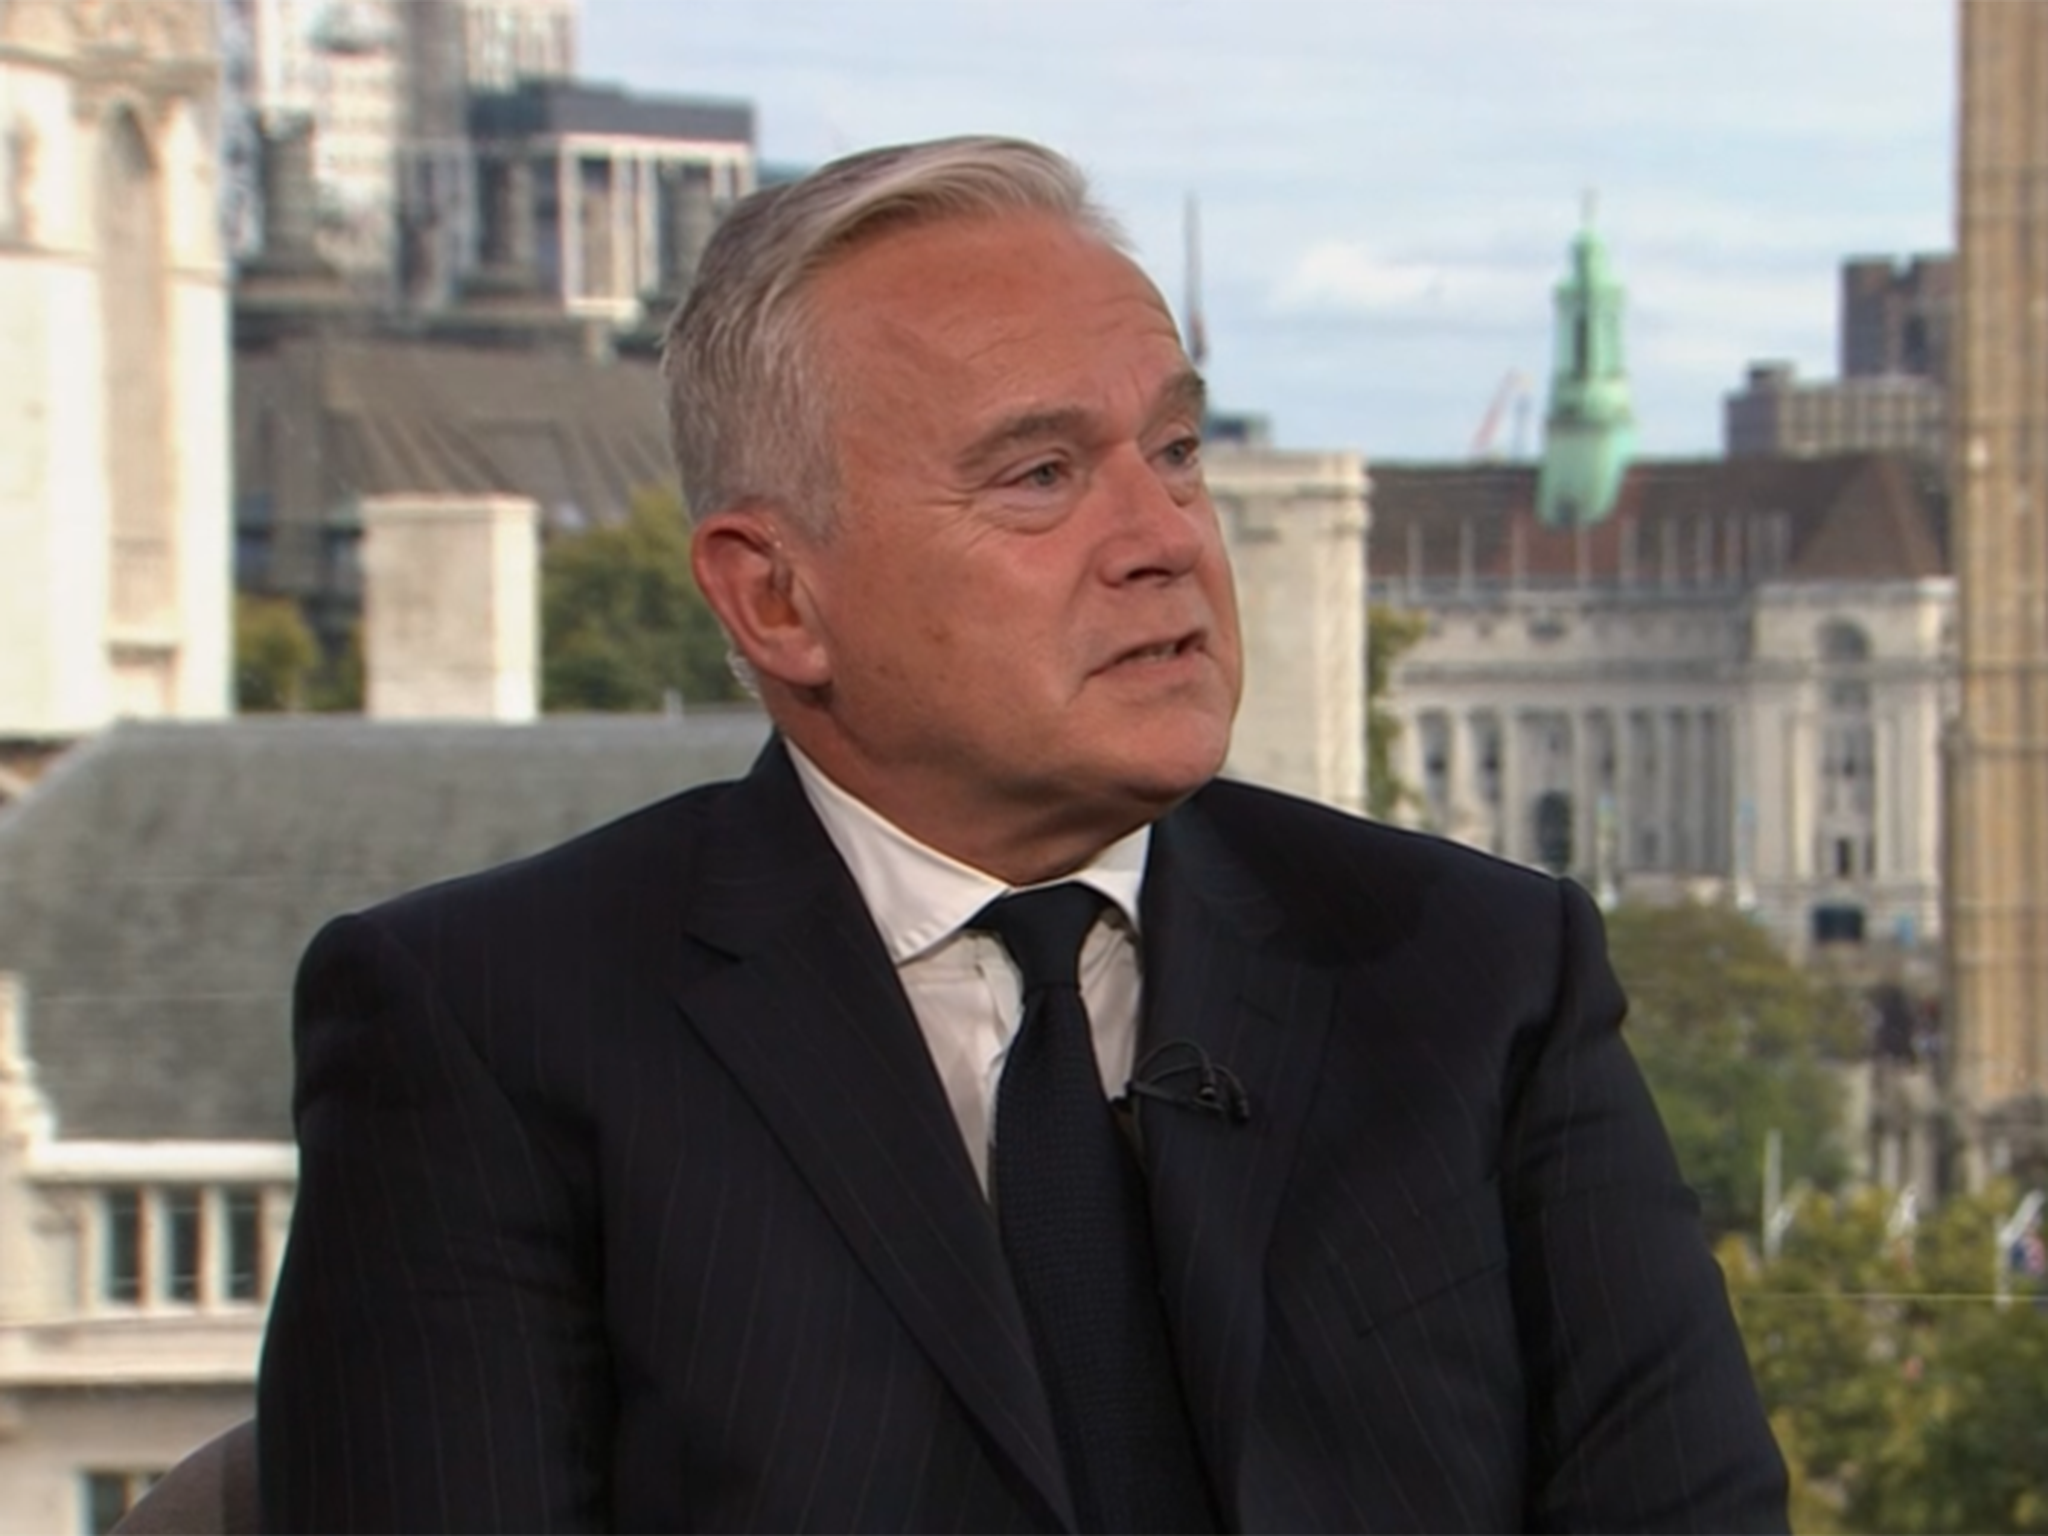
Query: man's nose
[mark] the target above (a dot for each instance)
(1158, 526)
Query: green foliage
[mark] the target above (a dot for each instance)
(338, 686)
(276, 656)
(1735, 1041)
(623, 625)
(1904, 1399)
(1390, 634)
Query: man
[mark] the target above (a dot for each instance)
(731, 1167)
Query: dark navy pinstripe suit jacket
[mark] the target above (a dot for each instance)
(630, 1198)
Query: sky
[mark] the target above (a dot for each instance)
(1388, 188)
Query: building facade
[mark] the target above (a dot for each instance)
(1896, 339)
(1897, 318)
(114, 572)
(1998, 876)
(156, 889)
(1733, 689)
(336, 72)
(1777, 413)
(582, 198)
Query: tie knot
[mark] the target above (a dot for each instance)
(1043, 931)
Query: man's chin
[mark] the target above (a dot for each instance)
(1162, 779)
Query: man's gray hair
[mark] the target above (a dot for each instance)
(748, 415)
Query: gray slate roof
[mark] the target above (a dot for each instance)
(159, 884)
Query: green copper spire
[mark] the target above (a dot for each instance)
(1589, 432)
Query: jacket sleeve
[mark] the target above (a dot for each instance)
(1643, 1413)
(434, 1358)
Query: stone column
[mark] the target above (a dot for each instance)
(569, 219)
(1512, 838)
(1296, 527)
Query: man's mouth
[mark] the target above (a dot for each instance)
(1164, 650)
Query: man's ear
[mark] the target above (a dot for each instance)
(742, 562)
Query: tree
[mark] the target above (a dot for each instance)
(1390, 634)
(276, 656)
(339, 686)
(1903, 1397)
(1736, 1041)
(623, 626)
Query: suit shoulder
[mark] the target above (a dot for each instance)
(1308, 829)
(1334, 870)
(648, 848)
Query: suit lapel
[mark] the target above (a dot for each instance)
(1216, 975)
(812, 1022)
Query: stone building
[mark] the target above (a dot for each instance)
(1296, 526)
(1998, 873)
(1778, 413)
(113, 368)
(156, 890)
(324, 422)
(1896, 341)
(1735, 687)
(334, 70)
(592, 199)
(1898, 318)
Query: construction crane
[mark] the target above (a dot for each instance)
(1512, 394)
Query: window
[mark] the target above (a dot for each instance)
(177, 1245)
(182, 1244)
(244, 1214)
(1837, 924)
(107, 1496)
(121, 1270)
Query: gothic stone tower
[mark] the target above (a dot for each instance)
(114, 512)
(1998, 876)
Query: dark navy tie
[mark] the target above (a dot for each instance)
(1070, 1203)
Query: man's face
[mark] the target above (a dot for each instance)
(1024, 604)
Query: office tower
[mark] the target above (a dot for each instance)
(1897, 317)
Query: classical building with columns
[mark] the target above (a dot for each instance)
(114, 561)
(1734, 686)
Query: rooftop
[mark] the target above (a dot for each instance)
(159, 884)
(1688, 522)
(550, 108)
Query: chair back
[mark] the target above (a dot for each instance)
(212, 1492)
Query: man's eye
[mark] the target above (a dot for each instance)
(1183, 452)
(1046, 476)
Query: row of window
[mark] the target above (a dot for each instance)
(181, 1244)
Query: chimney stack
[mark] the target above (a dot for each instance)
(451, 607)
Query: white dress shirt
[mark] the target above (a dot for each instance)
(963, 987)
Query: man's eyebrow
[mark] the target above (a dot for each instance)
(1024, 428)
(1185, 393)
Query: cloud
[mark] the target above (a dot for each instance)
(1389, 187)
(1351, 278)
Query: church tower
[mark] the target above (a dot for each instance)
(1997, 886)
(114, 497)
(1589, 430)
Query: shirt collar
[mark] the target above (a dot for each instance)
(920, 897)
